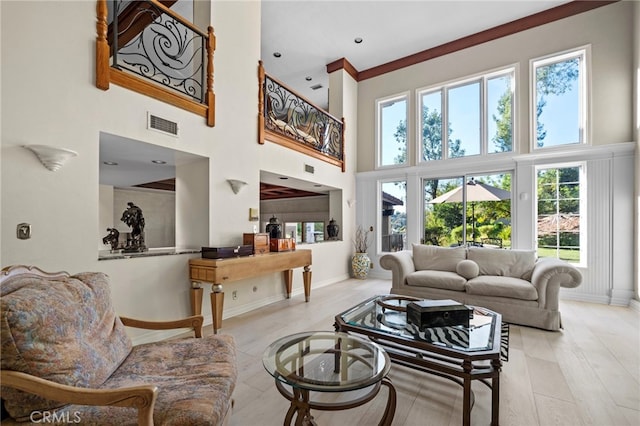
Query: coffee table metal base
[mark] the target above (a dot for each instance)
(301, 404)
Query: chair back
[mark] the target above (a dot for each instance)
(58, 327)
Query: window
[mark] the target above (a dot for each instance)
(559, 217)
(500, 112)
(478, 113)
(393, 219)
(559, 100)
(478, 213)
(392, 131)
(463, 108)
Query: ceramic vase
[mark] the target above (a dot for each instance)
(360, 263)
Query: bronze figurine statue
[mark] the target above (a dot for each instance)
(134, 218)
(112, 238)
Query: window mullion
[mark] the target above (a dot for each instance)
(444, 130)
(484, 118)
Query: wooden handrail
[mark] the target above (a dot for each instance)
(135, 23)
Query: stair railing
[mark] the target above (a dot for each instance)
(154, 51)
(290, 120)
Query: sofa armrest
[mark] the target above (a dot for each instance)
(400, 264)
(549, 275)
(194, 322)
(142, 398)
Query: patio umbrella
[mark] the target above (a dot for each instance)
(476, 191)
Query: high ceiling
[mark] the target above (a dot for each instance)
(309, 34)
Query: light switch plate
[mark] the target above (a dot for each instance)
(23, 231)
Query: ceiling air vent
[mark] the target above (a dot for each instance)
(162, 125)
(316, 86)
(309, 169)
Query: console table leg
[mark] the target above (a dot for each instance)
(196, 298)
(217, 303)
(306, 276)
(288, 281)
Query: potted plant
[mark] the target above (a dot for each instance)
(360, 262)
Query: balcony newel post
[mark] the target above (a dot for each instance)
(260, 103)
(211, 97)
(102, 46)
(344, 162)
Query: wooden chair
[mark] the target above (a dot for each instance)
(65, 355)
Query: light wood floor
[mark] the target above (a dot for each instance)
(587, 374)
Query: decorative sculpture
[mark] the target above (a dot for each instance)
(112, 238)
(332, 229)
(134, 218)
(274, 228)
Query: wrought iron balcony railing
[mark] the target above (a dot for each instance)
(147, 47)
(290, 120)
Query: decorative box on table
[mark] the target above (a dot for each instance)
(226, 252)
(438, 313)
(259, 242)
(282, 244)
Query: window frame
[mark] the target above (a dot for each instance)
(379, 105)
(482, 78)
(582, 176)
(584, 96)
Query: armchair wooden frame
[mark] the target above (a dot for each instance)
(141, 397)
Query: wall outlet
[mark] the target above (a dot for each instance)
(234, 294)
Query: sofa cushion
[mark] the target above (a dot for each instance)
(468, 269)
(506, 263)
(74, 339)
(437, 279)
(195, 380)
(437, 258)
(514, 288)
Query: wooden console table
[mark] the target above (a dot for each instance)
(220, 271)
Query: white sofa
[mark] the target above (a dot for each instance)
(514, 283)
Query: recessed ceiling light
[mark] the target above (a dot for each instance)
(308, 78)
(277, 54)
(358, 40)
(158, 162)
(110, 163)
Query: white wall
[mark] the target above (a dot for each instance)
(608, 274)
(62, 107)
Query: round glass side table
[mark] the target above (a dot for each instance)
(326, 361)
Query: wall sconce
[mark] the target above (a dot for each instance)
(236, 185)
(351, 202)
(53, 158)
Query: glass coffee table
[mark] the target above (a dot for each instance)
(458, 353)
(326, 361)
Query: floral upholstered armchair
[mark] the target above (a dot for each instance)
(66, 357)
